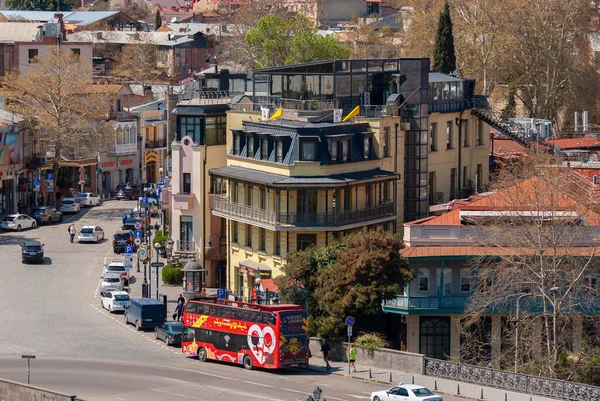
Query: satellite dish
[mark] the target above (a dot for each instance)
(173, 20)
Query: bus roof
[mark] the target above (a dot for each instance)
(247, 305)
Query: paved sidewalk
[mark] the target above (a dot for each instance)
(444, 386)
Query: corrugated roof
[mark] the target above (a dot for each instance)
(127, 37)
(574, 143)
(466, 251)
(71, 17)
(19, 31)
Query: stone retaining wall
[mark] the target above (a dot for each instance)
(15, 391)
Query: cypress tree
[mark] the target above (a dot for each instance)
(157, 20)
(444, 59)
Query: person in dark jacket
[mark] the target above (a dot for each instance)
(325, 348)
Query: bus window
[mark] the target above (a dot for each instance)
(205, 309)
(239, 314)
(268, 318)
(192, 307)
(228, 313)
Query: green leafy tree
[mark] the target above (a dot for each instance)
(352, 277)
(157, 20)
(279, 40)
(39, 5)
(444, 58)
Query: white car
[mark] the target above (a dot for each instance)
(111, 282)
(17, 222)
(88, 199)
(405, 392)
(116, 267)
(90, 234)
(69, 205)
(115, 301)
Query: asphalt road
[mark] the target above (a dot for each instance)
(53, 311)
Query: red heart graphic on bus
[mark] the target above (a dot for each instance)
(266, 342)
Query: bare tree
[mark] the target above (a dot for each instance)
(65, 111)
(367, 39)
(137, 61)
(541, 230)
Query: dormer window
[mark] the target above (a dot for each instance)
(367, 147)
(345, 150)
(279, 151)
(236, 145)
(308, 150)
(250, 146)
(264, 148)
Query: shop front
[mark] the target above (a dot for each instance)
(252, 275)
(117, 170)
(153, 168)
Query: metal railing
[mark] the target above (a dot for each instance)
(378, 111)
(524, 383)
(186, 246)
(318, 105)
(406, 302)
(124, 148)
(151, 144)
(317, 219)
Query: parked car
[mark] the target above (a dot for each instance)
(32, 251)
(112, 282)
(129, 224)
(405, 392)
(169, 332)
(115, 301)
(90, 234)
(46, 214)
(69, 205)
(116, 267)
(88, 199)
(17, 221)
(146, 313)
(122, 239)
(130, 192)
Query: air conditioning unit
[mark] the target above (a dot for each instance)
(365, 98)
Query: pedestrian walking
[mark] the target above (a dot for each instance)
(181, 299)
(72, 232)
(179, 310)
(352, 358)
(20, 206)
(325, 348)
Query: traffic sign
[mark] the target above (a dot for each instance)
(157, 264)
(349, 321)
(49, 176)
(128, 249)
(142, 253)
(221, 293)
(144, 201)
(138, 234)
(138, 225)
(36, 181)
(137, 241)
(159, 191)
(128, 262)
(349, 331)
(165, 181)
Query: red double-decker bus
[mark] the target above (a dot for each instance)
(252, 335)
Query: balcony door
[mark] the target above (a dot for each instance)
(447, 290)
(306, 206)
(186, 235)
(434, 336)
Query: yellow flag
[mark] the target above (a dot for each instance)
(277, 114)
(353, 113)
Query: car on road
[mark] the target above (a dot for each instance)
(112, 282)
(169, 332)
(32, 251)
(146, 313)
(46, 214)
(90, 234)
(17, 221)
(129, 224)
(122, 239)
(129, 192)
(88, 199)
(69, 205)
(116, 267)
(405, 392)
(115, 301)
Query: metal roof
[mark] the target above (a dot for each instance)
(70, 17)
(170, 39)
(260, 177)
(19, 31)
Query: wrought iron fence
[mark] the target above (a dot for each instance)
(528, 384)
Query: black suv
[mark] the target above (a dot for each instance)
(121, 239)
(32, 251)
(129, 192)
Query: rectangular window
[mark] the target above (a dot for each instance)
(449, 143)
(479, 126)
(386, 142)
(479, 177)
(264, 149)
(465, 180)
(345, 150)
(386, 192)
(234, 231)
(215, 130)
(262, 239)
(279, 152)
(432, 194)
(433, 137)
(464, 130)
(76, 52)
(277, 247)
(423, 280)
(249, 195)
(249, 235)
(369, 195)
(333, 149)
(304, 241)
(186, 233)
(367, 147)
(308, 151)
(190, 126)
(234, 192)
(236, 144)
(262, 198)
(465, 280)
(187, 184)
(347, 200)
(452, 183)
(250, 146)
(33, 56)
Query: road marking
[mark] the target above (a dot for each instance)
(121, 399)
(294, 391)
(169, 392)
(360, 397)
(338, 399)
(257, 384)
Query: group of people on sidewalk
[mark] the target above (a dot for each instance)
(325, 348)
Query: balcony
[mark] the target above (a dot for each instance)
(123, 149)
(284, 221)
(120, 115)
(186, 246)
(424, 305)
(153, 144)
(183, 201)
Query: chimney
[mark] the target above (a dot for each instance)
(585, 116)
(576, 121)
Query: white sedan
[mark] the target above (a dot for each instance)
(115, 301)
(405, 392)
(17, 222)
(90, 234)
(69, 205)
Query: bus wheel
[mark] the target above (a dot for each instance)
(202, 354)
(248, 362)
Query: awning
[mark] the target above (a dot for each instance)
(255, 269)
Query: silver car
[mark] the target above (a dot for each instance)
(111, 282)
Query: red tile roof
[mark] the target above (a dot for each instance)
(502, 147)
(574, 143)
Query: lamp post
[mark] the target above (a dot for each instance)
(316, 395)
(158, 247)
(217, 249)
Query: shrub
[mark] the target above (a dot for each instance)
(370, 341)
(162, 239)
(172, 274)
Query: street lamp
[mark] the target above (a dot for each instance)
(316, 395)
(209, 247)
(192, 279)
(158, 247)
(170, 243)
